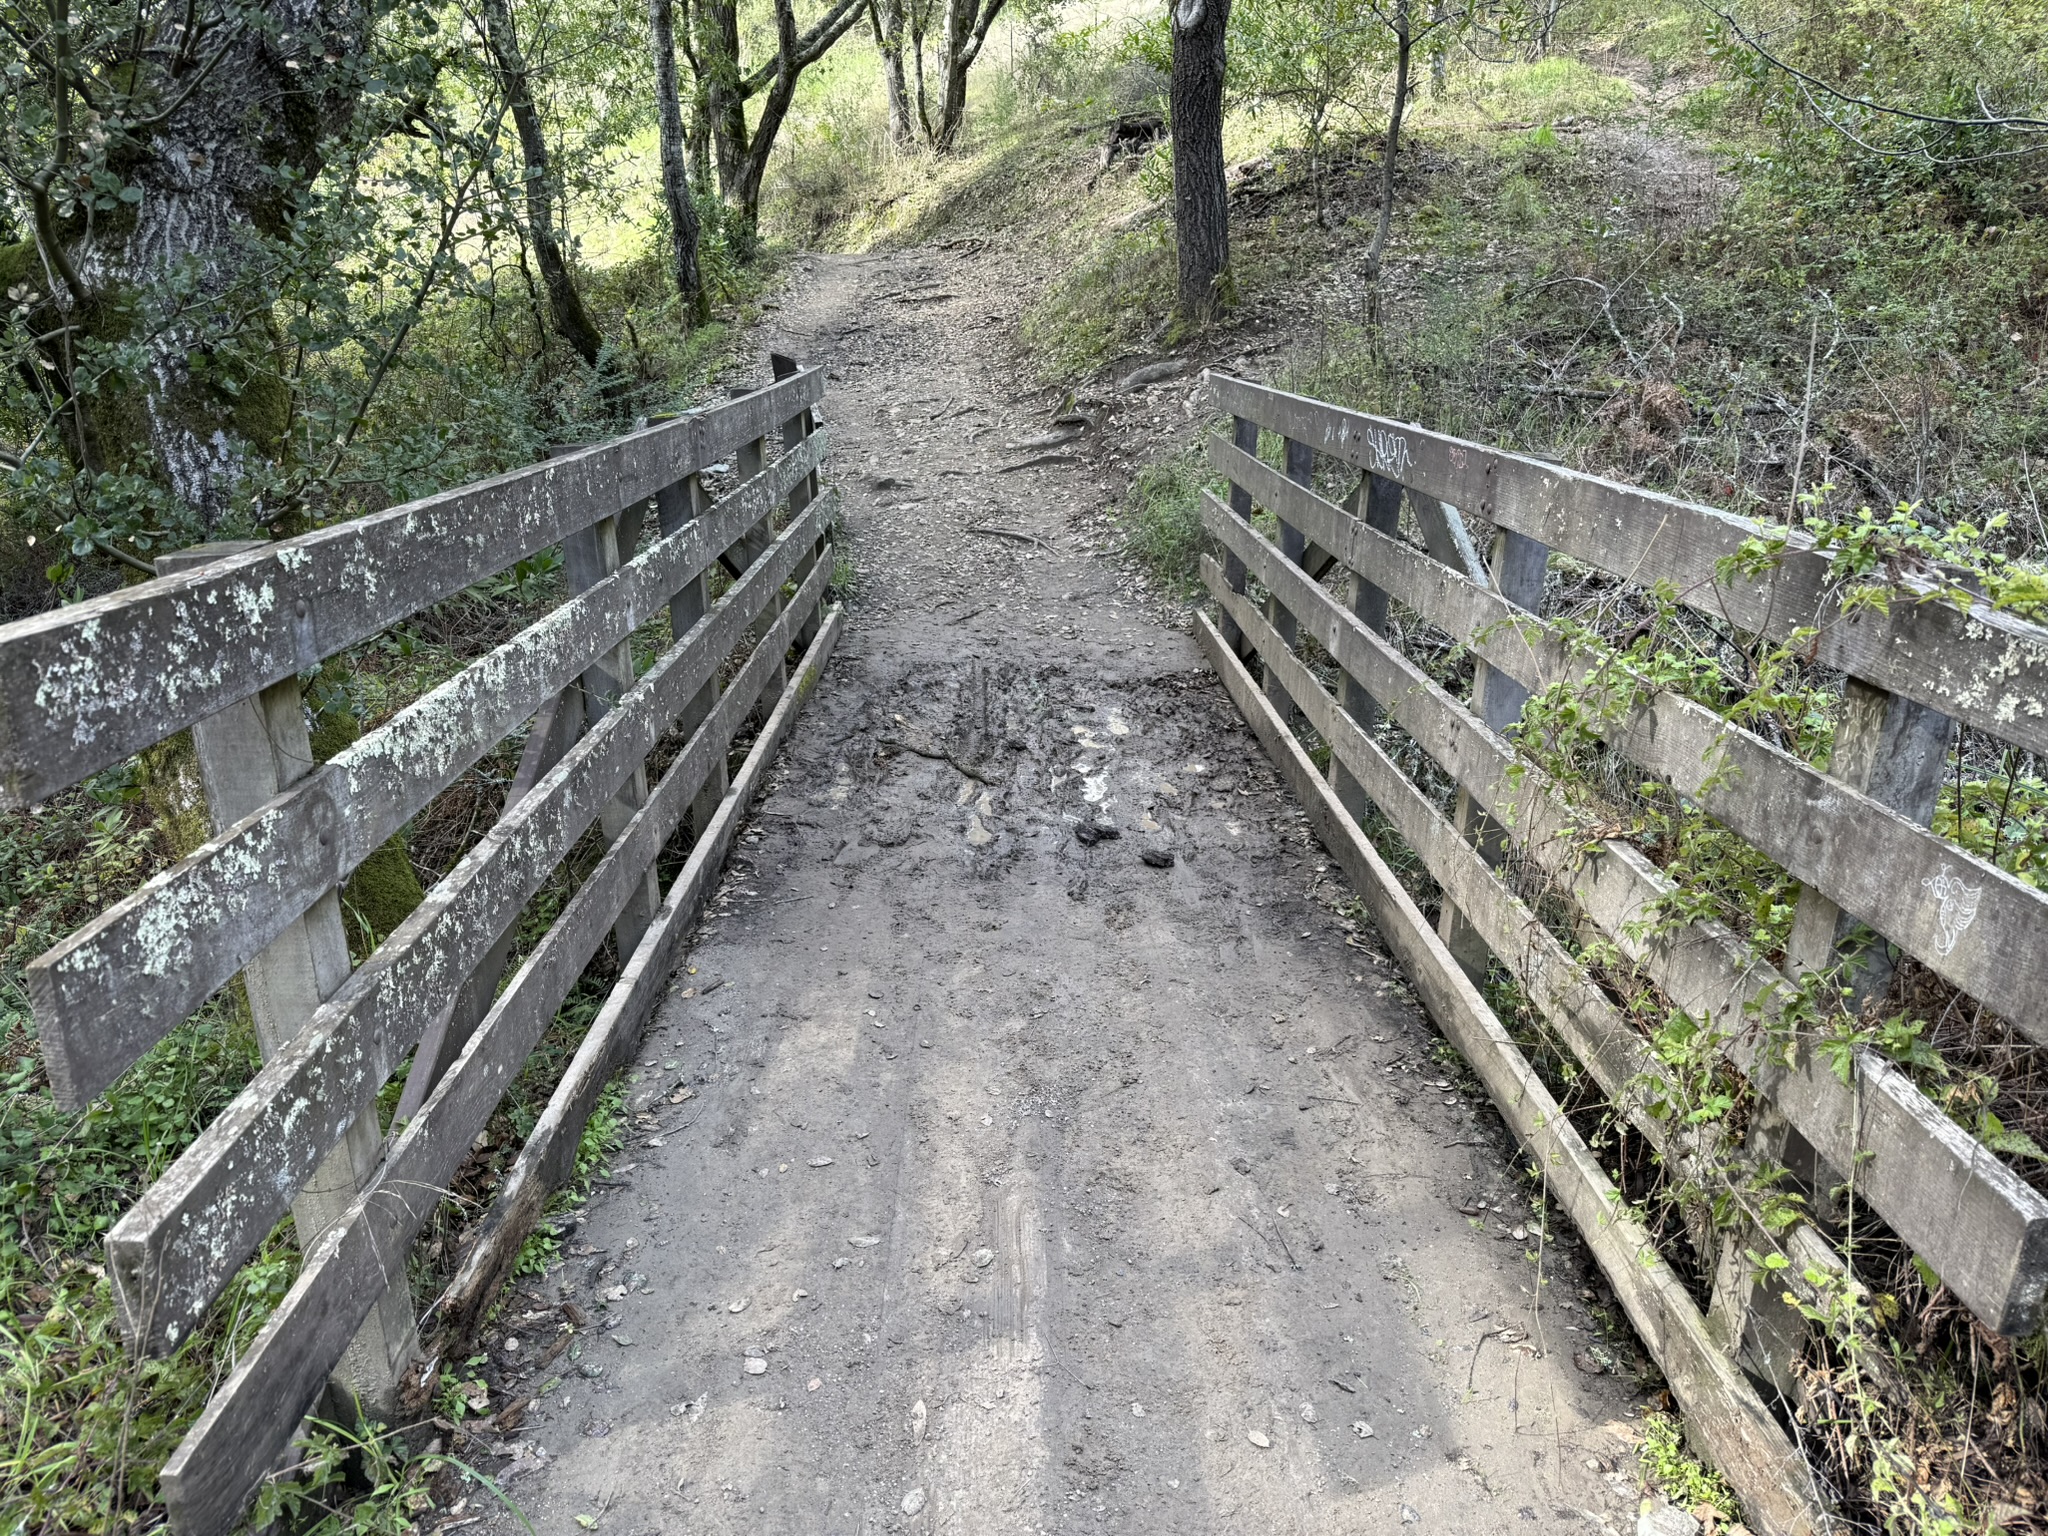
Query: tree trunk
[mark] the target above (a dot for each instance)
(1440, 55)
(207, 399)
(675, 176)
(793, 55)
(966, 28)
(1404, 46)
(570, 319)
(725, 95)
(1201, 201)
(886, 17)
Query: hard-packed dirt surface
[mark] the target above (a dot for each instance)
(990, 1172)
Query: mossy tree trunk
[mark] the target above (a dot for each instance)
(223, 120)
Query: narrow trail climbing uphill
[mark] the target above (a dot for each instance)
(985, 1179)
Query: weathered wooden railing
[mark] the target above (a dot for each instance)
(216, 646)
(1856, 836)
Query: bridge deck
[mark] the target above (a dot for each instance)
(1127, 1164)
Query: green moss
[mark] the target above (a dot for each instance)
(383, 891)
(169, 780)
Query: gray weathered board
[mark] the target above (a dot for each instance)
(1892, 872)
(172, 1252)
(249, 1420)
(111, 990)
(1728, 1419)
(1985, 668)
(1981, 1227)
(83, 687)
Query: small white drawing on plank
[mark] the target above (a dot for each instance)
(1958, 905)
(1389, 451)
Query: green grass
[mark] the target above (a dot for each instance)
(1161, 522)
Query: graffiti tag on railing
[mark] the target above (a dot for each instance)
(1389, 451)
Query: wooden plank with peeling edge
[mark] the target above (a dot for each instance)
(1970, 922)
(1968, 1215)
(1726, 1418)
(110, 991)
(171, 1252)
(1985, 668)
(84, 687)
(249, 1421)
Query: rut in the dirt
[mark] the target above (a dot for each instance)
(987, 1176)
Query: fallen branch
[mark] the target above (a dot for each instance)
(1011, 533)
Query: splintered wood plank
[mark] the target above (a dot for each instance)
(216, 1468)
(1726, 1418)
(1972, 923)
(1982, 667)
(110, 991)
(1975, 1221)
(83, 687)
(171, 1253)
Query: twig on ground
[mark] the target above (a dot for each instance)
(1011, 533)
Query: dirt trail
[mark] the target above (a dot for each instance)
(1023, 1185)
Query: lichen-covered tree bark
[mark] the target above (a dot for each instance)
(224, 121)
(1201, 201)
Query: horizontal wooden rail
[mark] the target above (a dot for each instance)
(1985, 668)
(84, 687)
(174, 1250)
(1862, 854)
(1981, 1227)
(1730, 1421)
(114, 988)
(250, 1420)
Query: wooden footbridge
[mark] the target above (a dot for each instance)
(708, 540)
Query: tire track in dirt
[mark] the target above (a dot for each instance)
(1136, 1176)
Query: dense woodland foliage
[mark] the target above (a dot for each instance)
(267, 266)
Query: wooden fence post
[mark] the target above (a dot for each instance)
(247, 753)
(1895, 751)
(1301, 463)
(1244, 434)
(588, 557)
(794, 431)
(1382, 510)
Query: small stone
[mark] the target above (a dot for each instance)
(983, 1257)
(840, 1263)
(737, 1306)
(913, 1501)
(1584, 1360)
(1360, 1428)
(591, 1369)
(624, 1341)
(755, 1366)
(1408, 1514)
(1158, 858)
(821, 1162)
(1137, 1410)
(798, 1295)
(813, 1384)
(1666, 1520)
(1308, 1413)
(1520, 1234)
(865, 1240)
(1259, 1438)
